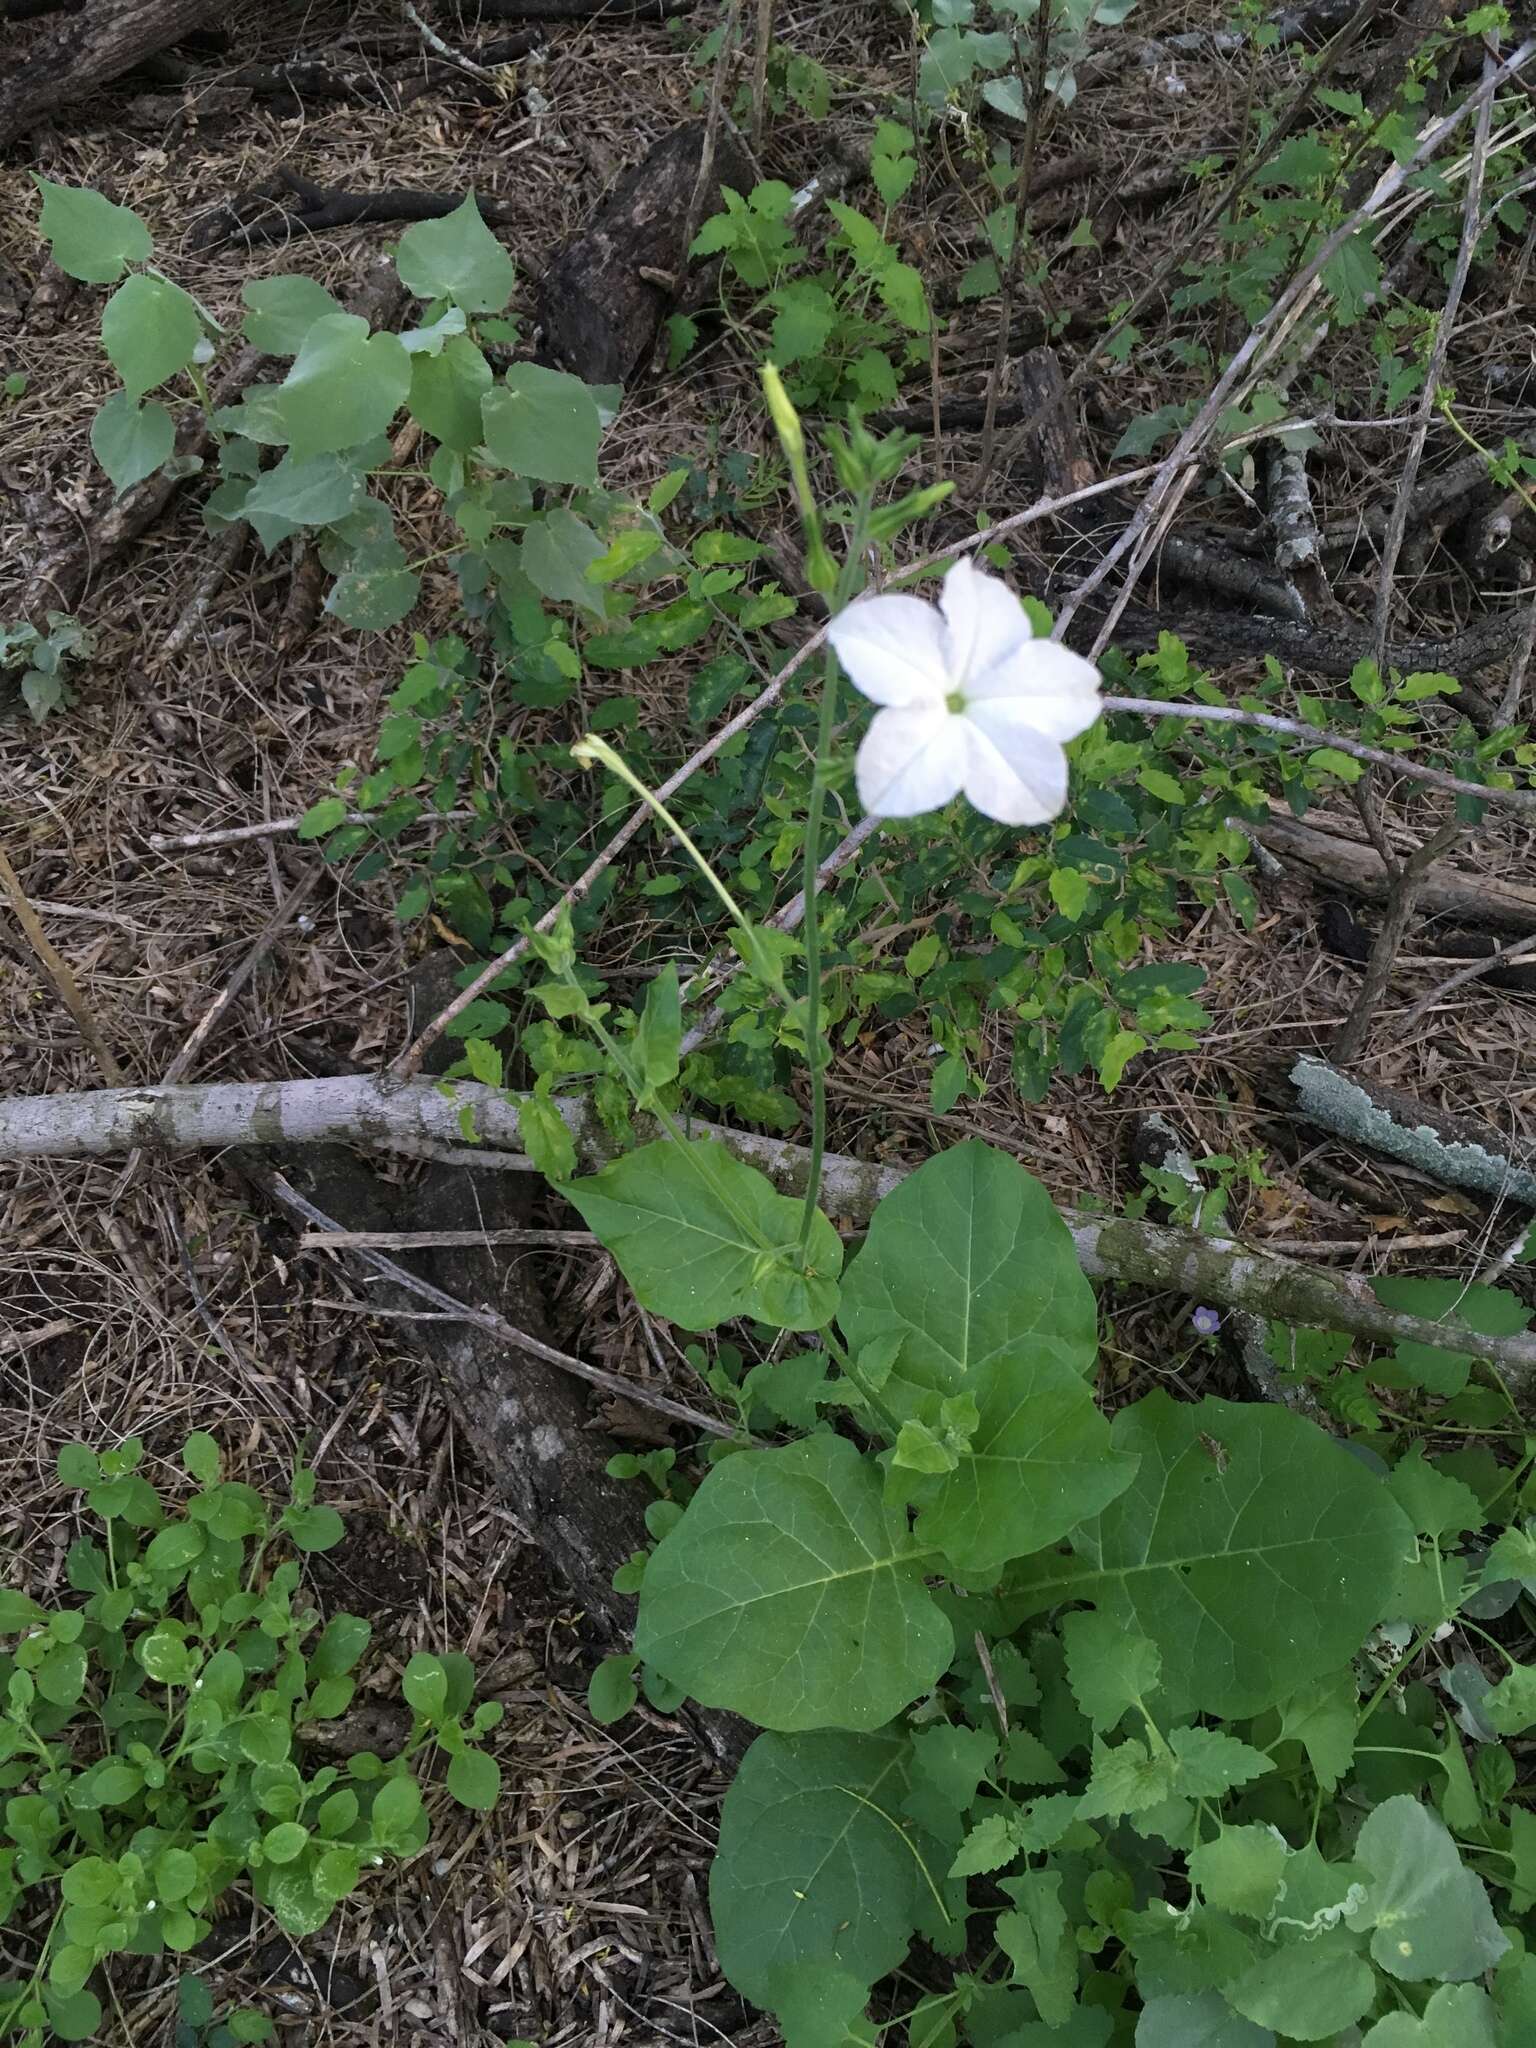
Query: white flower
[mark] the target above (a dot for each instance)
(972, 701)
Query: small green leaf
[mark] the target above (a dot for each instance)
(200, 1457)
(474, 1779)
(131, 441)
(446, 391)
(396, 1810)
(313, 1528)
(73, 2015)
(78, 1465)
(90, 237)
(285, 1842)
(611, 1690)
(424, 1683)
(150, 329)
(457, 258)
(701, 1237)
(1345, 766)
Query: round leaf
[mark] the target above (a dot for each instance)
(200, 1457)
(543, 424)
(150, 329)
(611, 1690)
(1430, 1915)
(791, 1593)
(285, 1842)
(344, 387)
(424, 1683)
(73, 2015)
(1197, 2019)
(474, 1779)
(457, 258)
(282, 311)
(90, 237)
(131, 441)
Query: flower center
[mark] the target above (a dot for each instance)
(954, 703)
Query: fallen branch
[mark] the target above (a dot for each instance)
(1353, 865)
(1453, 1150)
(369, 1110)
(65, 61)
(258, 217)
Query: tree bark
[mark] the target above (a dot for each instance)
(72, 56)
(417, 1115)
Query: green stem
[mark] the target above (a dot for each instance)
(590, 748)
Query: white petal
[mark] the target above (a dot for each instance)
(893, 648)
(1055, 689)
(911, 760)
(1012, 772)
(986, 622)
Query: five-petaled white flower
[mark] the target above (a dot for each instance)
(970, 699)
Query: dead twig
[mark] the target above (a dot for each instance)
(1491, 963)
(284, 914)
(59, 973)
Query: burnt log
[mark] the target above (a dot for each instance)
(603, 298)
(69, 56)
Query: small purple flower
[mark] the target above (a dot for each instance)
(1207, 1321)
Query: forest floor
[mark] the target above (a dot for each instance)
(150, 1299)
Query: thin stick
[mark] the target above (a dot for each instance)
(297, 896)
(1429, 396)
(1502, 956)
(59, 973)
(496, 1325)
(1277, 321)
(762, 49)
(1269, 721)
(711, 129)
(274, 828)
(437, 1240)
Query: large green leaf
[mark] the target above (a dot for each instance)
(150, 329)
(1250, 1547)
(815, 1865)
(282, 311)
(1309, 1990)
(1429, 1915)
(446, 391)
(457, 258)
(345, 386)
(792, 1593)
(131, 441)
(312, 492)
(701, 1237)
(555, 555)
(544, 424)
(1040, 1462)
(969, 1261)
(1458, 2016)
(90, 237)
(1197, 2019)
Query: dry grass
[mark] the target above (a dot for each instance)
(151, 1302)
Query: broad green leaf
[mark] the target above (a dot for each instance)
(283, 310)
(376, 590)
(150, 329)
(1040, 1461)
(457, 258)
(73, 2015)
(446, 391)
(1211, 1763)
(611, 1690)
(556, 553)
(817, 2005)
(295, 494)
(1307, 1990)
(543, 424)
(131, 441)
(791, 1593)
(424, 1684)
(1197, 2019)
(814, 1864)
(701, 1237)
(1323, 1716)
(1252, 1549)
(345, 386)
(970, 1261)
(1429, 1915)
(1458, 2016)
(90, 237)
(1241, 1871)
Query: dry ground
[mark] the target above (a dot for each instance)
(151, 1302)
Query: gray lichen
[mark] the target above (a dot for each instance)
(1343, 1106)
